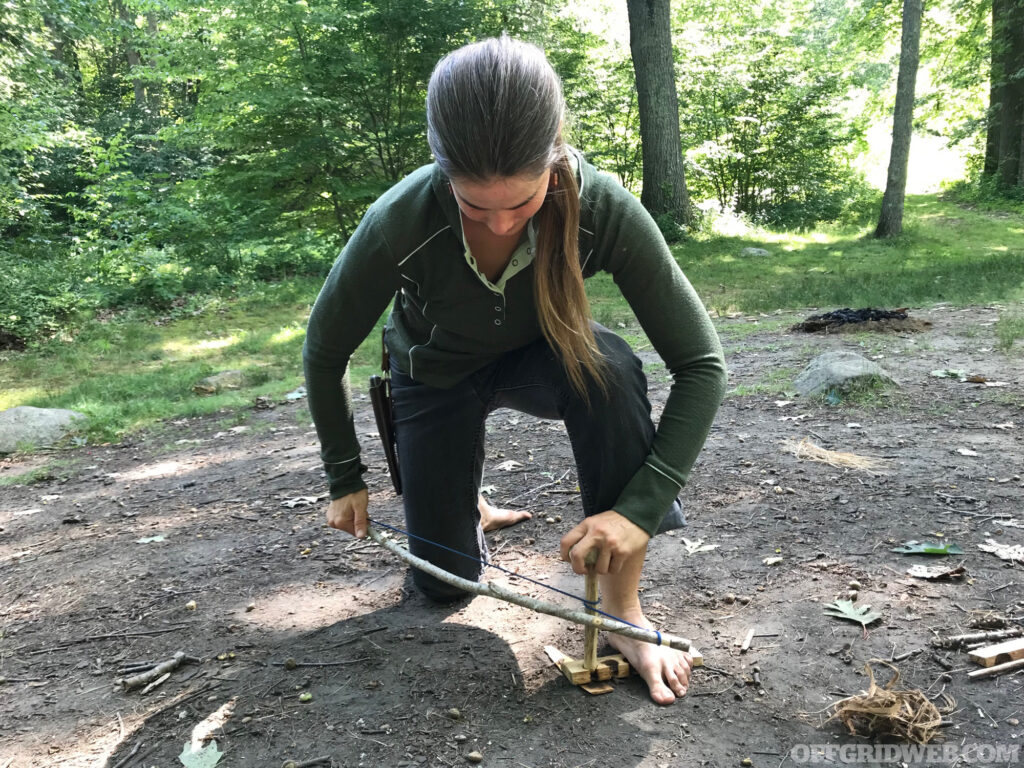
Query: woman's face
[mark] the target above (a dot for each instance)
(503, 205)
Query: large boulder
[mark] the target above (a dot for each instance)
(838, 369)
(38, 427)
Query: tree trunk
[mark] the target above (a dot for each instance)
(1004, 142)
(650, 43)
(1012, 102)
(890, 222)
(996, 81)
(153, 92)
(132, 55)
(63, 50)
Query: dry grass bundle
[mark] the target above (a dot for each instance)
(805, 449)
(907, 715)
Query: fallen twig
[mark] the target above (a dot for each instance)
(148, 677)
(124, 760)
(957, 641)
(490, 589)
(325, 760)
(293, 664)
(539, 488)
(95, 638)
(998, 669)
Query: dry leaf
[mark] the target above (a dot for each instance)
(693, 547)
(966, 452)
(299, 501)
(508, 466)
(1004, 551)
(936, 573)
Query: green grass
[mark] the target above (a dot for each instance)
(136, 369)
(1009, 328)
(947, 253)
(128, 372)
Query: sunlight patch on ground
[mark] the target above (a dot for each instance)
(306, 607)
(188, 347)
(13, 396)
(287, 334)
(148, 471)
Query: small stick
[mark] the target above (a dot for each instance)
(907, 655)
(145, 678)
(998, 669)
(94, 638)
(955, 641)
(490, 589)
(156, 682)
(292, 664)
(127, 758)
(326, 759)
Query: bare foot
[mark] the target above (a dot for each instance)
(666, 670)
(492, 518)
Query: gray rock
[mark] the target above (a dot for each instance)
(211, 385)
(38, 427)
(838, 369)
(755, 252)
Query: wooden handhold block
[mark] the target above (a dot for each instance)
(999, 653)
(608, 667)
(997, 670)
(696, 657)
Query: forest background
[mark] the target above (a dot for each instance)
(169, 160)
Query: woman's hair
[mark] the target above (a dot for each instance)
(495, 110)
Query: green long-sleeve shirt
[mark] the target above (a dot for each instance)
(448, 320)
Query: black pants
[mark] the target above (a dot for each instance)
(440, 436)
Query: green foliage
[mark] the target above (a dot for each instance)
(947, 253)
(152, 151)
(760, 108)
(37, 294)
(1009, 328)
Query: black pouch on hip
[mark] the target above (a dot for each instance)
(384, 411)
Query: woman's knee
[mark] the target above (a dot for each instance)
(440, 591)
(622, 369)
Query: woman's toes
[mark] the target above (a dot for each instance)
(660, 692)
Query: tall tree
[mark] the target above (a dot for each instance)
(1004, 145)
(890, 222)
(650, 43)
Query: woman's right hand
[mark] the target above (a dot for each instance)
(348, 513)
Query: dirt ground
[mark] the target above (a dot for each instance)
(247, 576)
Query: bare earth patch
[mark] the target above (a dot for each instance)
(182, 541)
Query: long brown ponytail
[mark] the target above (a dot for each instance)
(561, 300)
(495, 110)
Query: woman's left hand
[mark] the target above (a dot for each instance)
(616, 539)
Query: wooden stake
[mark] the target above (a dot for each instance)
(590, 632)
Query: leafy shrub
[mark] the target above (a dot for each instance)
(37, 296)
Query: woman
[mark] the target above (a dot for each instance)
(485, 253)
